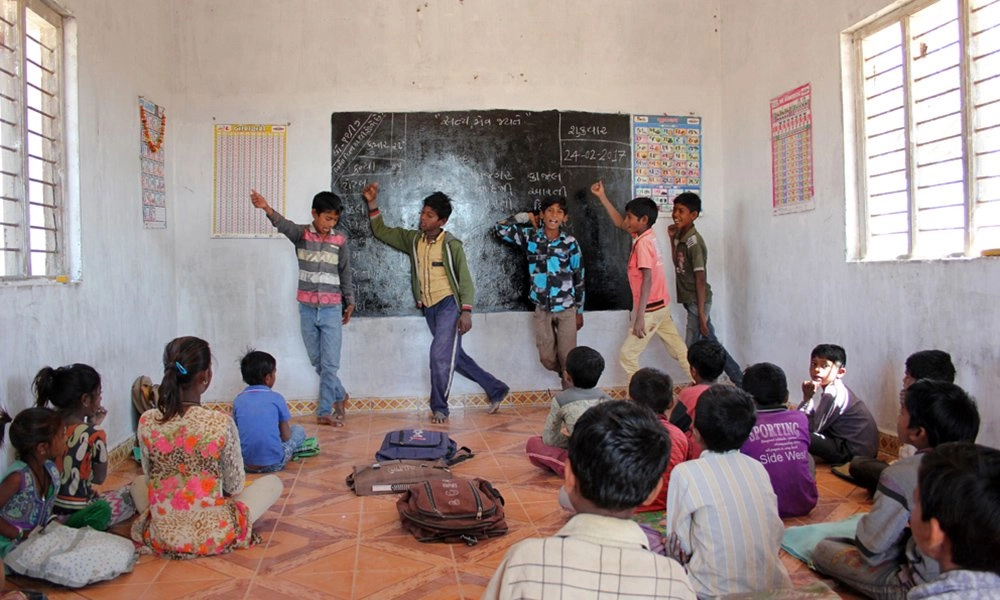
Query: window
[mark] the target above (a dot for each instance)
(32, 142)
(925, 80)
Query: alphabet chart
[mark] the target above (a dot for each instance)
(247, 157)
(666, 157)
(791, 152)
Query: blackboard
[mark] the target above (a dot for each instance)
(492, 163)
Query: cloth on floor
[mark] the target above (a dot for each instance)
(801, 540)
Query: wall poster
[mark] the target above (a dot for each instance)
(666, 157)
(247, 157)
(791, 152)
(153, 127)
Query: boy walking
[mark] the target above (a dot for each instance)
(617, 455)
(443, 289)
(722, 513)
(840, 425)
(555, 268)
(883, 560)
(325, 293)
(690, 255)
(584, 366)
(267, 440)
(646, 277)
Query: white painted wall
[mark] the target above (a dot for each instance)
(117, 316)
(297, 62)
(791, 286)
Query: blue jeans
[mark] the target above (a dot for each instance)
(289, 448)
(447, 356)
(322, 332)
(693, 334)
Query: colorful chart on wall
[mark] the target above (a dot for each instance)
(666, 157)
(247, 157)
(153, 127)
(791, 152)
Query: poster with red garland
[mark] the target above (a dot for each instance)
(152, 132)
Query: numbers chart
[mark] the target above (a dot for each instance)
(247, 157)
(791, 152)
(666, 157)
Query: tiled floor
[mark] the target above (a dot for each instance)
(322, 541)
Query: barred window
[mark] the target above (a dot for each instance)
(32, 144)
(925, 82)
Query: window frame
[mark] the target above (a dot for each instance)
(856, 161)
(64, 266)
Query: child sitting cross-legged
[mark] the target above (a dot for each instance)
(722, 515)
(617, 455)
(708, 361)
(956, 521)
(584, 366)
(883, 560)
(267, 440)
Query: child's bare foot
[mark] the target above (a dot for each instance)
(439, 417)
(340, 408)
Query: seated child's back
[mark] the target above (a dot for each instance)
(655, 390)
(708, 361)
(780, 440)
(616, 456)
(267, 441)
(722, 515)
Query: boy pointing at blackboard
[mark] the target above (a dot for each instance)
(648, 280)
(443, 289)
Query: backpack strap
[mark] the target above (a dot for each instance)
(464, 453)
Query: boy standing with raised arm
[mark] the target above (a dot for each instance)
(555, 268)
(690, 256)
(325, 294)
(443, 289)
(646, 277)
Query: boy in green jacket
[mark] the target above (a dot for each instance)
(443, 289)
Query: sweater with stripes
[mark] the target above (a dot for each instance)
(324, 263)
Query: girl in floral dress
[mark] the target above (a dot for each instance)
(197, 503)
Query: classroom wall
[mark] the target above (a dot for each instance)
(296, 62)
(790, 284)
(119, 312)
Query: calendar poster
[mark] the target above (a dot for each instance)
(153, 127)
(791, 152)
(666, 157)
(247, 157)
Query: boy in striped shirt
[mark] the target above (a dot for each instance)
(325, 293)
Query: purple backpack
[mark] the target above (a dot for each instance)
(418, 444)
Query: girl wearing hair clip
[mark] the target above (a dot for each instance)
(195, 502)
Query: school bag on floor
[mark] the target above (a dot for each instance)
(417, 444)
(394, 476)
(308, 447)
(72, 557)
(452, 510)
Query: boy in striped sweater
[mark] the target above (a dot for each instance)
(325, 293)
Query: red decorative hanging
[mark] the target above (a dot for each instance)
(154, 146)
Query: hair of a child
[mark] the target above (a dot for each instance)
(440, 203)
(327, 202)
(708, 357)
(690, 201)
(184, 358)
(831, 352)
(585, 366)
(618, 452)
(256, 365)
(32, 426)
(931, 364)
(64, 387)
(559, 201)
(767, 384)
(945, 411)
(643, 207)
(959, 486)
(724, 417)
(652, 388)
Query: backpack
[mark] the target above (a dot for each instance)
(394, 476)
(417, 444)
(452, 510)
